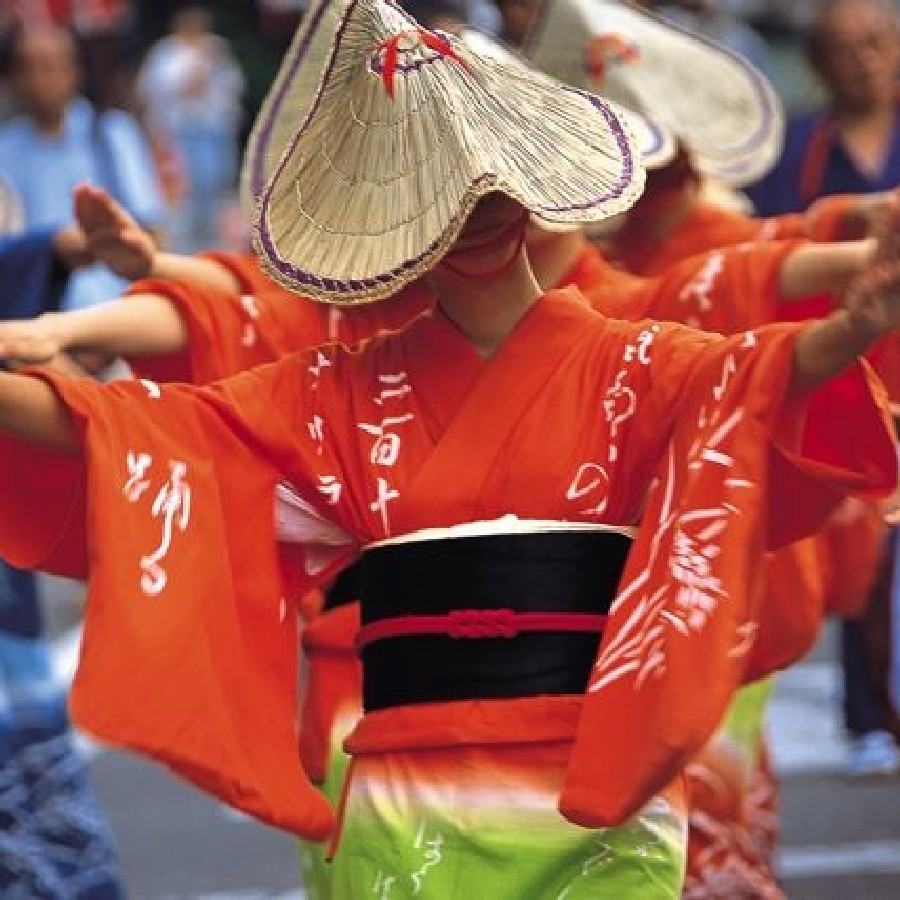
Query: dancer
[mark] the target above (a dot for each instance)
(228, 447)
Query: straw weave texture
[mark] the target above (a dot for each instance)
(714, 99)
(372, 189)
(656, 143)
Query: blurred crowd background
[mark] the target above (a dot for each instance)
(193, 75)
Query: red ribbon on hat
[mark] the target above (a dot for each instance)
(606, 48)
(433, 41)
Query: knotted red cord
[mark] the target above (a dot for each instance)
(606, 48)
(433, 41)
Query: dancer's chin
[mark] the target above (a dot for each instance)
(486, 261)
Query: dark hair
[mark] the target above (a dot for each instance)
(430, 11)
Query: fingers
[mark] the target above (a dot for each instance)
(887, 227)
(25, 343)
(129, 252)
(96, 210)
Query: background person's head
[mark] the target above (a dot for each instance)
(192, 23)
(673, 186)
(44, 72)
(442, 15)
(518, 18)
(854, 47)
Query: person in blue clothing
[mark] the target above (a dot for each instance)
(54, 841)
(59, 139)
(853, 145)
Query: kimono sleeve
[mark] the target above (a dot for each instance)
(189, 654)
(742, 460)
(228, 332)
(246, 271)
(725, 291)
(831, 219)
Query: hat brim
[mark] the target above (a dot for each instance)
(712, 98)
(656, 143)
(296, 83)
(371, 190)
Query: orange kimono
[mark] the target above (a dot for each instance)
(231, 332)
(720, 291)
(710, 227)
(725, 291)
(735, 288)
(190, 654)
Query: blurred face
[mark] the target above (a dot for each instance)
(491, 238)
(45, 75)
(518, 18)
(192, 23)
(859, 54)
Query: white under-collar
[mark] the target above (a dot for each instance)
(509, 524)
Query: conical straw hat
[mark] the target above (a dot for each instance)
(294, 87)
(714, 99)
(290, 97)
(655, 142)
(405, 131)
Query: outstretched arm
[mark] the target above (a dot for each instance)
(871, 309)
(115, 239)
(824, 268)
(139, 325)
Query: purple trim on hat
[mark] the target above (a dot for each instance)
(257, 165)
(334, 286)
(659, 137)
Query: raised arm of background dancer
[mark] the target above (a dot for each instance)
(140, 325)
(870, 309)
(846, 216)
(870, 304)
(824, 268)
(116, 240)
(31, 411)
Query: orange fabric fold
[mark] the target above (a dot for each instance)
(466, 722)
(333, 684)
(678, 645)
(188, 655)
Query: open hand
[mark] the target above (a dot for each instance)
(862, 218)
(873, 297)
(870, 212)
(71, 248)
(111, 235)
(29, 341)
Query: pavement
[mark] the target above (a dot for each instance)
(840, 840)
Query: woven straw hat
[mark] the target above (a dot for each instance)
(714, 99)
(404, 131)
(656, 143)
(294, 89)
